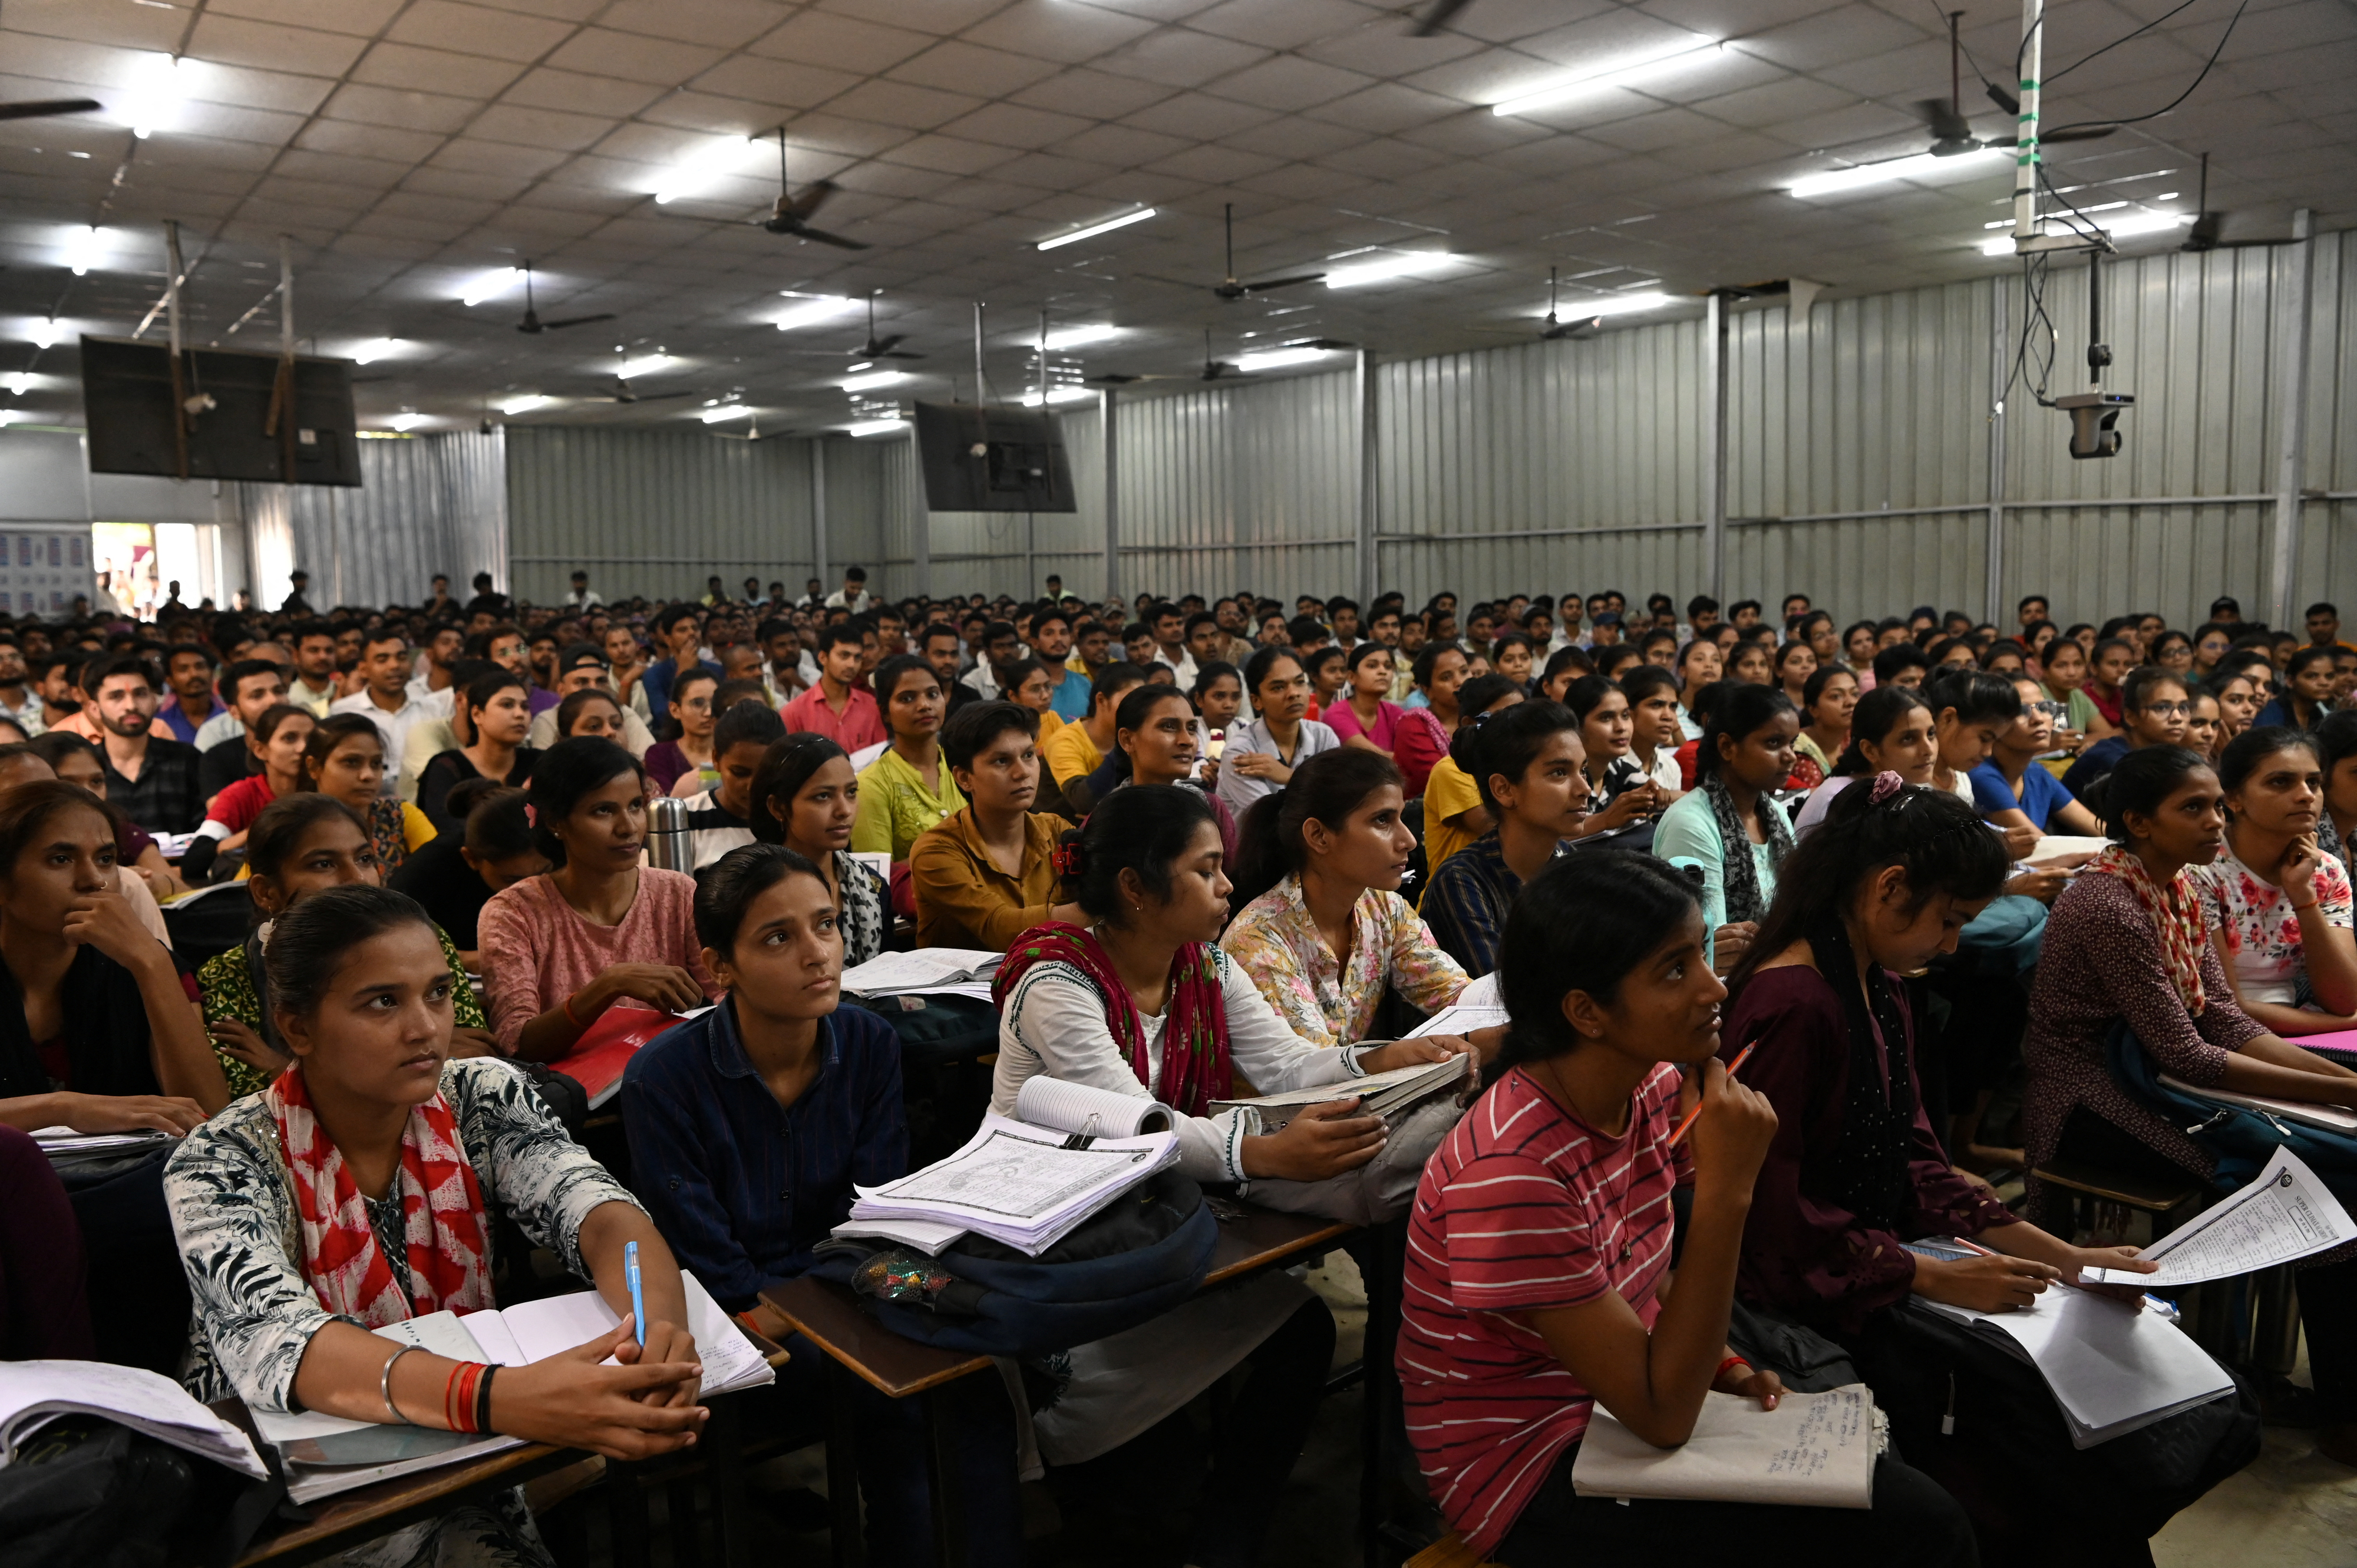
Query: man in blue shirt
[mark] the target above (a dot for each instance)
(1052, 644)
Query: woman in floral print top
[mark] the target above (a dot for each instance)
(1327, 931)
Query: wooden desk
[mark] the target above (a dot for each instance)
(1250, 1240)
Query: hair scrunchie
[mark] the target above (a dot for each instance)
(1887, 783)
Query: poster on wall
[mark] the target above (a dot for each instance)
(43, 570)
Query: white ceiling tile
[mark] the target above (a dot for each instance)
(1057, 30)
(123, 26)
(1384, 48)
(432, 71)
(248, 89)
(1213, 165)
(1092, 93)
(939, 18)
(1181, 59)
(548, 128)
(960, 67)
(389, 106)
(1287, 27)
(722, 23)
(841, 43)
(498, 160)
(366, 141)
(1009, 126)
(1196, 118)
(770, 81)
(304, 50)
(1473, 134)
(633, 57)
(1833, 37)
(1505, 21)
(364, 18)
(1288, 82)
(1154, 10)
(1293, 137)
(355, 175)
(1483, 79)
(842, 134)
(235, 124)
(572, 92)
(1386, 107)
(477, 30)
(902, 104)
(1122, 146)
(949, 154)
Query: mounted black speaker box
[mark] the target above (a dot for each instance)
(991, 459)
(127, 400)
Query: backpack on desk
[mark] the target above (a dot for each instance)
(1129, 1262)
(84, 1492)
(2244, 1141)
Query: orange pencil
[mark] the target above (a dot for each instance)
(1686, 1125)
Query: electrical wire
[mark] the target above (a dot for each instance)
(2123, 37)
(2133, 119)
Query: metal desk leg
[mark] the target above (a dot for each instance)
(941, 1489)
(841, 1468)
(626, 1513)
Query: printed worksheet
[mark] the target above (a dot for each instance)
(1020, 1173)
(2285, 1213)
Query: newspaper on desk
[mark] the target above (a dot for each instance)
(2284, 1214)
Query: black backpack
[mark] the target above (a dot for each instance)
(1131, 1262)
(84, 1492)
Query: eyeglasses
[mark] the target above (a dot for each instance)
(2169, 709)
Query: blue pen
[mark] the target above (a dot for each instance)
(638, 1293)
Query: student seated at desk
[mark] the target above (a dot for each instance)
(2129, 943)
(1855, 1170)
(1539, 1246)
(1891, 730)
(600, 929)
(987, 876)
(1323, 931)
(280, 736)
(499, 715)
(907, 789)
(301, 845)
(1141, 1002)
(1528, 762)
(2012, 789)
(1730, 823)
(806, 798)
(285, 1203)
(456, 875)
(344, 759)
(1453, 815)
(2277, 908)
(749, 1128)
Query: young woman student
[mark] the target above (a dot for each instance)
(987, 875)
(284, 1206)
(498, 715)
(283, 731)
(301, 845)
(1829, 698)
(345, 758)
(1261, 755)
(2012, 789)
(1142, 1002)
(1323, 931)
(1891, 730)
(493, 848)
(1854, 1172)
(749, 1128)
(1539, 1246)
(806, 798)
(561, 947)
(907, 789)
(1527, 762)
(1453, 814)
(1729, 825)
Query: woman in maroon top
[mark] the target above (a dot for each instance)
(1880, 888)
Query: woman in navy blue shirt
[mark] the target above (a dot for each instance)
(748, 1127)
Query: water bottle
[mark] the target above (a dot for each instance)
(668, 842)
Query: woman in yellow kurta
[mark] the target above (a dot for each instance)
(908, 789)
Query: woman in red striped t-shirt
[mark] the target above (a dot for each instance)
(1540, 1237)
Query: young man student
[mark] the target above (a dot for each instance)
(1052, 641)
(838, 707)
(313, 688)
(678, 637)
(385, 700)
(720, 818)
(582, 668)
(1080, 749)
(188, 675)
(987, 875)
(253, 687)
(2153, 709)
(151, 780)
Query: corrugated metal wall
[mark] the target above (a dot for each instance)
(1858, 451)
(427, 504)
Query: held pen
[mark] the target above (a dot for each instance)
(1685, 1125)
(638, 1293)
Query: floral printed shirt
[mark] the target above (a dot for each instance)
(232, 1205)
(1330, 1004)
(2259, 926)
(225, 986)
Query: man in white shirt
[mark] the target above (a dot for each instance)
(384, 664)
(853, 595)
(432, 684)
(313, 685)
(1169, 629)
(582, 597)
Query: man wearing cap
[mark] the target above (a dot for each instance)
(580, 668)
(1604, 629)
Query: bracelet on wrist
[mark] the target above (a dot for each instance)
(1731, 1361)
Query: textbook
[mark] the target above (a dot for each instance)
(35, 1393)
(2112, 1367)
(325, 1455)
(1030, 1180)
(67, 1149)
(603, 1052)
(2331, 1118)
(1811, 1451)
(1380, 1093)
(924, 969)
(2284, 1214)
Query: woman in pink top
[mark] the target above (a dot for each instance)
(1366, 717)
(600, 929)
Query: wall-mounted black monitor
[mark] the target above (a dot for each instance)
(991, 459)
(127, 397)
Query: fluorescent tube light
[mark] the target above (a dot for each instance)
(814, 308)
(1080, 337)
(875, 426)
(155, 91)
(1066, 393)
(1407, 265)
(44, 333)
(82, 250)
(701, 170)
(1617, 72)
(19, 383)
(1616, 304)
(523, 404)
(1277, 359)
(1838, 181)
(724, 412)
(1093, 230)
(490, 285)
(2148, 223)
(647, 365)
(376, 348)
(407, 419)
(878, 379)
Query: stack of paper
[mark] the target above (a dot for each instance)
(35, 1393)
(1382, 1094)
(1811, 1451)
(68, 1148)
(1027, 1183)
(324, 1454)
(2285, 1214)
(924, 973)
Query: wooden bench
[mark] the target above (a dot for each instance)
(2103, 1199)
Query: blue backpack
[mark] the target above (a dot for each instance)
(2244, 1141)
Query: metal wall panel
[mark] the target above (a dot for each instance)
(654, 510)
(425, 504)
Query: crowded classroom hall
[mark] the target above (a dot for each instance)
(1068, 783)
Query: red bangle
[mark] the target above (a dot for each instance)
(460, 1410)
(1730, 1361)
(565, 1007)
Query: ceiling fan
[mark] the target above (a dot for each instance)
(620, 393)
(1554, 328)
(792, 213)
(531, 321)
(1212, 371)
(1232, 288)
(42, 108)
(881, 348)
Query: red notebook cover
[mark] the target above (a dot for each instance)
(604, 1048)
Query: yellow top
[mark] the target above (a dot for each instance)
(895, 807)
(1070, 753)
(1447, 792)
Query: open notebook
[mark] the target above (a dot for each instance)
(925, 970)
(35, 1393)
(1811, 1451)
(325, 1455)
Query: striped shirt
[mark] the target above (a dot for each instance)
(1524, 1207)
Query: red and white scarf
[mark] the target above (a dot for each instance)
(2176, 914)
(441, 1205)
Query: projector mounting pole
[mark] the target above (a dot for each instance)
(281, 420)
(979, 399)
(172, 301)
(2025, 146)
